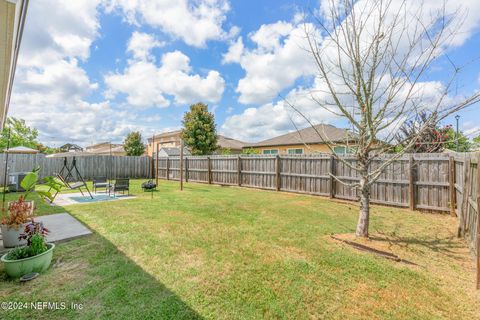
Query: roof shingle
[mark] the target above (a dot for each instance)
(308, 135)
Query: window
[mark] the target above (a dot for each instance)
(270, 151)
(340, 149)
(344, 150)
(295, 151)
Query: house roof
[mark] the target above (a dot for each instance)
(71, 146)
(226, 142)
(223, 142)
(308, 135)
(103, 145)
(107, 150)
(165, 134)
(70, 154)
(21, 149)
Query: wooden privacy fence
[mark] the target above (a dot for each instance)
(467, 195)
(428, 182)
(89, 166)
(420, 181)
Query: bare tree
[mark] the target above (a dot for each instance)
(374, 60)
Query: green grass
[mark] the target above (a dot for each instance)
(232, 253)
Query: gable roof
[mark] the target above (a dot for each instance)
(308, 136)
(107, 150)
(21, 149)
(226, 142)
(69, 146)
(223, 142)
(167, 134)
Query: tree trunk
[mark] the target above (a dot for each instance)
(364, 214)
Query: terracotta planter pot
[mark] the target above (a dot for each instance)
(38, 263)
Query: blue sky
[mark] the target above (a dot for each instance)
(92, 71)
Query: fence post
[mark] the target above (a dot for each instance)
(411, 183)
(277, 172)
(239, 171)
(453, 195)
(168, 168)
(209, 170)
(186, 169)
(156, 169)
(332, 179)
(465, 195)
(478, 221)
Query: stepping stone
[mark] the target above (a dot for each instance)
(62, 227)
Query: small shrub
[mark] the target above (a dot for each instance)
(19, 212)
(35, 234)
(19, 253)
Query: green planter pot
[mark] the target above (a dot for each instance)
(38, 263)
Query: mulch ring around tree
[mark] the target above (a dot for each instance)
(372, 245)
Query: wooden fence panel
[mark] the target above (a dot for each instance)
(470, 206)
(391, 188)
(305, 174)
(88, 166)
(162, 168)
(432, 183)
(197, 169)
(258, 172)
(425, 176)
(174, 168)
(347, 175)
(224, 170)
(458, 182)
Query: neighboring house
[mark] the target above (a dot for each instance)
(307, 141)
(172, 139)
(107, 148)
(169, 139)
(70, 147)
(172, 152)
(12, 20)
(22, 150)
(232, 145)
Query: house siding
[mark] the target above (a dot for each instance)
(309, 149)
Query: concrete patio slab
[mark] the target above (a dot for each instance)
(62, 227)
(66, 199)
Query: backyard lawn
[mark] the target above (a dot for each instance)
(233, 253)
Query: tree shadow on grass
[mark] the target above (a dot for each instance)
(93, 272)
(445, 245)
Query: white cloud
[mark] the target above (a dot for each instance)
(147, 84)
(303, 106)
(470, 128)
(141, 44)
(195, 22)
(55, 31)
(273, 119)
(235, 52)
(51, 88)
(278, 60)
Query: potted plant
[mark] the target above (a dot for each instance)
(19, 215)
(20, 212)
(36, 256)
